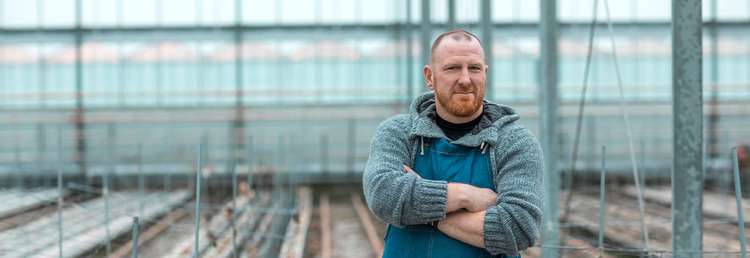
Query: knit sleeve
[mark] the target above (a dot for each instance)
(512, 224)
(394, 196)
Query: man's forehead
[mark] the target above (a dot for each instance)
(451, 49)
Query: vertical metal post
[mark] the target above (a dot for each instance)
(19, 166)
(486, 11)
(42, 148)
(141, 183)
(426, 29)
(548, 100)
(687, 115)
(80, 126)
(713, 119)
(601, 203)
(234, 207)
(198, 200)
(738, 193)
(105, 183)
(409, 56)
(324, 155)
(167, 174)
(159, 56)
(631, 148)
(135, 237)
(350, 155)
(451, 14)
(239, 115)
(249, 163)
(59, 192)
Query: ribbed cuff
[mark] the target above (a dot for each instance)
(430, 198)
(496, 239)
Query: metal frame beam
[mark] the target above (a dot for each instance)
(364, 31)
(687, 115)
(486, 13)
(549, 121)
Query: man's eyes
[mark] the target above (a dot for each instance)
(458, 67)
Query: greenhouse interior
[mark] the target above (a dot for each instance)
(238, 128)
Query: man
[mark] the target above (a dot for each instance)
(476, 185)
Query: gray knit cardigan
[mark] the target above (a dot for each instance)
(401, 199)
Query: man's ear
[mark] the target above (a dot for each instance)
(428, 77)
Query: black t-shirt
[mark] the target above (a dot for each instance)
(455, 131)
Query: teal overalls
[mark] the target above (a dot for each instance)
(452, 163)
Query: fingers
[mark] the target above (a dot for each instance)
(409, 170)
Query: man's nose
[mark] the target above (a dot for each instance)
(464, 78)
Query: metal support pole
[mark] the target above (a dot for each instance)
(167, 174)
(409, 57)
(601, 203)
(249, 163)
(105, 183)
(59, 192)
(486, 11)
(687, 114)
(19, 166)
(42, 148)
(426, 29)
(324, 155)
(198, 200)
(738, 193)
(234, 207)
(713, 119)
(351, 146)
(631, 148)
(549, 125)
(239, 115)
(135, 237)
(80, 126)
(451, 14)
(141, 181)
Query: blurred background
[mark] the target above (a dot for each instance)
(111, 99)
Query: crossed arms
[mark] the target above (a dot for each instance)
(465, 207)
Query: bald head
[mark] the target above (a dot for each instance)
(457, 35)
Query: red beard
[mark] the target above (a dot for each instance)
(461, 106)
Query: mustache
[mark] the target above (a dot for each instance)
(465, 89)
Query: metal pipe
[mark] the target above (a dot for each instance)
(135, 237)
(601, 203)
(80, 125)
(239, 116)
(141, 183)
(250, 164)
(687, 110)
(19, 166)
(105, 183)
(451, 14)
(644, 229)
(548, 100)
(581, 105)
(426, 30)
(351, 145)
(234, 207)
(409, 57)
(486, 12)
(59, 192)
(738, 193)
(198, 200)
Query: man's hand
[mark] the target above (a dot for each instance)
(465, 196)
(469, 197)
